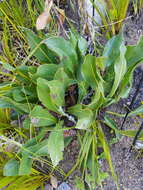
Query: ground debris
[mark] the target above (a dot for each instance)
(64, 186)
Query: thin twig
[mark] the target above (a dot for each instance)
(113, 23)
(136, 137)
(132, 102)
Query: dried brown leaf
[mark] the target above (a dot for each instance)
(43, 20)
(45, 17)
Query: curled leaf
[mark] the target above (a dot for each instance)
(43, 20)
(45, 17)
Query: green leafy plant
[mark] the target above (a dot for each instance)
(69, 90)
(30, 182)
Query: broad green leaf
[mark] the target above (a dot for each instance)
(36, 139)
(7, 66)
(25, 164)
(11, 168)
(56, 145)
(91, 73)
(126, 83)
(35, 150)
(22, 94)
(62, 76)
(73, 39)
(100, 62)
(97, 100)
(22, 74)
(67, 141)
(111, 53)
(6, 102)
(132, 133)
(119, 69)
(41, 117)
(18, 96)
(46, 71)
(111, 123)
(82, 45)
(134, 53)
(43, 54)
(42, 148)
(85, 118)
(57, 92)
(43, 91)
(28, 153)
(51, 93)
(82, 90)
(134, 57)
(38, 149)
(112, 49)
(64, 51)
(137, 111)
(25, 70)
(75, 108)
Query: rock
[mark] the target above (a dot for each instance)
(64, 186)
(48, 187)
(139, 145)
(89, 9)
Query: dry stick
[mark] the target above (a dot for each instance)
(136, 137)
(113, 23)
(132, 102)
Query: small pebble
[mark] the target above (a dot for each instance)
(64, 186)
(48, 187)
(139, 145)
